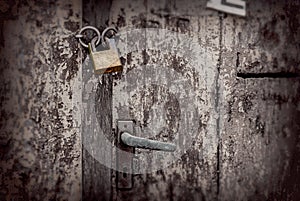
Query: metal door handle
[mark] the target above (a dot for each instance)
(139, 142)
(126, 143)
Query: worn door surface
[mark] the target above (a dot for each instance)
(216, 85)
(167, 87)
(224, 89)
(40, 144)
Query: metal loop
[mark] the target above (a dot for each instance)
(105, 32)
(93, 44)
(79, 35)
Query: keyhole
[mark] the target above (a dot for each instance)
(124, 172)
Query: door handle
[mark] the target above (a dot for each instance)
(126, 143)
(139, 142)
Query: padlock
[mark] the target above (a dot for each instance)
(107, 60)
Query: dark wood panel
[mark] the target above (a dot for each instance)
(98, 104)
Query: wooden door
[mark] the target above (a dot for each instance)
(235, 72)
(223, 88)
(167, 90)
(40, 137)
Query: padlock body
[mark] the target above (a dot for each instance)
(106, 61)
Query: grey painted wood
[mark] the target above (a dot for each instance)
(254, 150)
(259, 152)
(40, 145)
(267, 39)
(260, 142)
(246, 144)
(156, 108)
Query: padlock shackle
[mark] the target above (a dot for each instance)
(105, 31)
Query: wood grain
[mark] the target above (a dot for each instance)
(240, 96)
(97, 113)
(267, 39)
(259, 103)
(259, 139)
(40, 142)
(140, 94)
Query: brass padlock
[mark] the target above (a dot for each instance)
(105, 60)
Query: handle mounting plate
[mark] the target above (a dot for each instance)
(124, 156)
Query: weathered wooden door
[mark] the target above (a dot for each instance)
(169, 87)
(223, 88)
(216, 85)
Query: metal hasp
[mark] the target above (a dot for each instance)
(126, 142)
